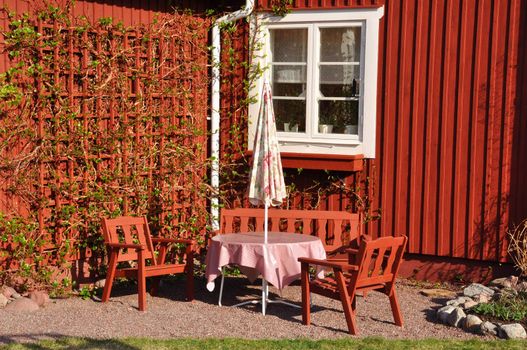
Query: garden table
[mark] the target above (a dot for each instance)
(276, 261)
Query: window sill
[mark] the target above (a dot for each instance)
(312, 161)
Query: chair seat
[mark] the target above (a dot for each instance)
(328, 287)
(153, 270)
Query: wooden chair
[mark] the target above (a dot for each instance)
(128, 239)
(375, 267)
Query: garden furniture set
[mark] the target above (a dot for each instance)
(329, 241)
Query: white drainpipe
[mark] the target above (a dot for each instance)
(215, 104)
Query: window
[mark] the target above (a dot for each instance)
(322, 66)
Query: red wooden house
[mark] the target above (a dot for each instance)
(427, 100)
(424, 100)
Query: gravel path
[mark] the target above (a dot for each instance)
(169, 316)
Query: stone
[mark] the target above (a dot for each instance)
(3, 300)
(472, 323)
(482, 298)
(521, 287)
(8, 292)
(469, 304)
(39, 297)
(488, 328)
(504, 282)
(512, 331)
(438, 293)
(100, 283)
(22, 305)
(458, 301)
(456, 317)
(477, 289)
(442, 313)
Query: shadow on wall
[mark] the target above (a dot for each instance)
(490, 240)
(518, 200)
(507, 206)
(447, 269)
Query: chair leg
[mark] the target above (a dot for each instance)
(110, 275)
(346, 302)
(396, 311)
(141, 280)
(306, 295)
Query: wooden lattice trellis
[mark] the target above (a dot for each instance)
(119, 122)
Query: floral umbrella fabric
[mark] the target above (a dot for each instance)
(266, 184)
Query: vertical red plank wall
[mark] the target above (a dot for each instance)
(451, 127)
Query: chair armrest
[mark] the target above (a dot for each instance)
(333, 264)
(172, 240)
(126, 246)
(352, 251)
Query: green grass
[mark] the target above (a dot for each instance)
(233, 344)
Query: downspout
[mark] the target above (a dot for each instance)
(215, 105)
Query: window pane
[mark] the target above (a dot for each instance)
(342, 115)
(289, 45)
(292, 112)
(340, 44)
(339, 81)
(289, 81)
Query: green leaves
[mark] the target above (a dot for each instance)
(99, 120)
(508, 307)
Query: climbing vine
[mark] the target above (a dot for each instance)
(98, 120)
(307, 189)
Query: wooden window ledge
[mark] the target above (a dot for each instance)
(321, 161)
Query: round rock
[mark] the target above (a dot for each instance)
(442, 313)
(456, 317)
(488, 328)
(9, 292)
(472, 323)
(3, 300)
(512, 331)
(476, 289)
(22, 305)
(39, 297)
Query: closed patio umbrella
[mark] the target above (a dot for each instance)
(266, 186)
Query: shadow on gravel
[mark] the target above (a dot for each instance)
(60, 341)
(430, 315)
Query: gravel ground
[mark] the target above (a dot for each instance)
(169, 316)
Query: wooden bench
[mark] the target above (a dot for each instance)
(336, 229)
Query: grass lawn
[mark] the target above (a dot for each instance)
(233, 344)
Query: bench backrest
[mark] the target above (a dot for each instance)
(334, 228)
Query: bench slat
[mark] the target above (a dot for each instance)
(328, 225)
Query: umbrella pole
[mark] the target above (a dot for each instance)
(265, 287)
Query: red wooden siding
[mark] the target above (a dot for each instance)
(451, 146)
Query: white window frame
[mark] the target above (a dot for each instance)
(313, 142)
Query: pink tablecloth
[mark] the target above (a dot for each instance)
(277, 263)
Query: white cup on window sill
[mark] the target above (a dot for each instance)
(290, 128)
(325, 128)
(351, 129)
